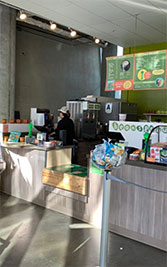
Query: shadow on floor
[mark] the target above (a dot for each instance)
(44, 238)
(26, 231)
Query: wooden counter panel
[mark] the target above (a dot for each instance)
(65, 181)
(137, 209)
(23, 174)
(58, 157)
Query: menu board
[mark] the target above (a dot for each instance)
(119, 73)
(140, 71)
(150, 70)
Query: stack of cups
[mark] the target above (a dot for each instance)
(122, 117)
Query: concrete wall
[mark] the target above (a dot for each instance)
(109, 51)
(7, 61)
(49, 72)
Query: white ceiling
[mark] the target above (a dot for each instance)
(121, 22)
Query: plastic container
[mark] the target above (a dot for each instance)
(133, 156)
(122, 117)
(26, 121)
(18, 121)
(5, 139)
(22, 139)
(49, 144)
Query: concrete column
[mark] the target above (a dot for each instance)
(7, 61)
(109, 51)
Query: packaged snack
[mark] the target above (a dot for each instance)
(163, 155)
(107, 155)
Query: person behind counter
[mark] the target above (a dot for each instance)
(65, 124)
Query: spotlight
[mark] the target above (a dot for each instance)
(53, 26)
(97, 40)
(22, 15)
(73, 33)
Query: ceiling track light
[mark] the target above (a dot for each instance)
(73, 33)
(53, 26)
(97, 40)
(22, 15)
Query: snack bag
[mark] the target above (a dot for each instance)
(108, 156)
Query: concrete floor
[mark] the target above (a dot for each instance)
(31, 236)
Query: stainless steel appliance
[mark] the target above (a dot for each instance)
(88, 116)
(116, 108)
(85, 117)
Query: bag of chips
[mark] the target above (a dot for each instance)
(108, 156)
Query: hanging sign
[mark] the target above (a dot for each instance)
(119, 73)
(142, 71)
(150, 70)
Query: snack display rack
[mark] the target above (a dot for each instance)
(107, 156)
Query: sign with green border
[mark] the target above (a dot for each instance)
(119, 73)
(141, 71)
(150, 70)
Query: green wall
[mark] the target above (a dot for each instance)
(146, 100)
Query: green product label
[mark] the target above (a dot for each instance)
(139, 128)
(121, 127)
(115, 126)
(127, 127)
(146, 128)
(163, 153)
(133, 127)
(164, 130)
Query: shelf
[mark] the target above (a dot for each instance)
(149, 115)
(154, 114)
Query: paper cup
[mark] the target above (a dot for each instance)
(122, 117)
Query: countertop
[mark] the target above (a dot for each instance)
(139, 163)
(33, 147)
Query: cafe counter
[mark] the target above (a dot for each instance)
(24, 165)
(137, 211)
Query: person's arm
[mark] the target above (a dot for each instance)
(56, 131)
(60, 125)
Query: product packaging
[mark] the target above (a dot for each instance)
(107, 155)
